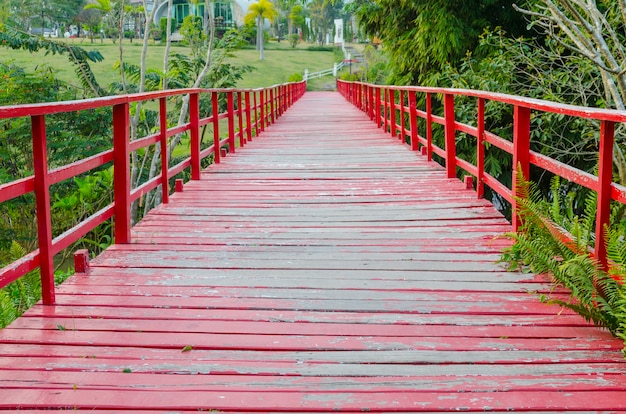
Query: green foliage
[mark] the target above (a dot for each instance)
(20, 295)
(294, 39)
(193, 36)
(295, 77)
(541, 247)
(77, 56)
(423, 36)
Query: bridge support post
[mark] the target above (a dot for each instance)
(194, 121)
(121, 172)
(605, 178)
(377, 105)
(248, 117)
(262, 104)
(480, 149)
(521, 157)
(450, 133)
(217, 156)
(42, 201)
(429, 127)
(242, 139)
(392, 113)
(165, 193)
(230, 98)
(371, 102)
(413, 120)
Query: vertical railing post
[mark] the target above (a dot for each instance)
(283, 100)
(378, 103)
(248, 117)
(521, 157)
(480, 149)
(194, 133)
(121, 172)
(372, 112)
(450, 135)
(429, 127)
(242, 139)
(42, 202)
(385, 94)
(217, 156)
(413, 120)
(402, 126)
(393, 127)
(230, 98)
(256, 113)
(262, 108)
(605, 179)
(165, 190)
(272, 116)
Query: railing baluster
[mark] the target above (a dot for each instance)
(480, 149)
(413, 120)
(242, 139)
(429, 127)
(605, 178)
(121, 172)
(377, 104)
(392, 113)
(370, 102)
(44, 215)
(450, 135)
(521, 157)
(402, 126)
(257, 127)
(262, 108)
(194, 134)
(272, 107)
(165, 191)
(217, 156)
(231, 121)
(385, 108)
(248, 117)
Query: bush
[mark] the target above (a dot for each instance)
(295, 77)
(294, 39)
(350, 77)
(320, 48)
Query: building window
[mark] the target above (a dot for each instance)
(223, 13)
(180, 12)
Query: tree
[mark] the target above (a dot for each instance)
(64, 12)
(425, 35)
(262, 9)
(595, 31)
(323, 12)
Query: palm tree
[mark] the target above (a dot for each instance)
(262, 9)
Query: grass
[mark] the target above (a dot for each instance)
(281, 61)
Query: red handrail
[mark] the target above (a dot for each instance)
(271, 101)
(378, 101)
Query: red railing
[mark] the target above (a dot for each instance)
(256, 108)
(386, 105)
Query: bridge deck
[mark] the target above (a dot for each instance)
(324, 267)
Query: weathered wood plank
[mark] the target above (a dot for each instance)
(322, 268)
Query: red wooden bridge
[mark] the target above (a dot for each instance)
(321, 267)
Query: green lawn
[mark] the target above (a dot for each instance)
(280, 62)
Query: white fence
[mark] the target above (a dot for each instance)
(327, 72)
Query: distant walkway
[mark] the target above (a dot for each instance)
(323, 267)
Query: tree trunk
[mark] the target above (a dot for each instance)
(260, 37)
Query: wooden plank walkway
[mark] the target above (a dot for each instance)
(322, 268)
